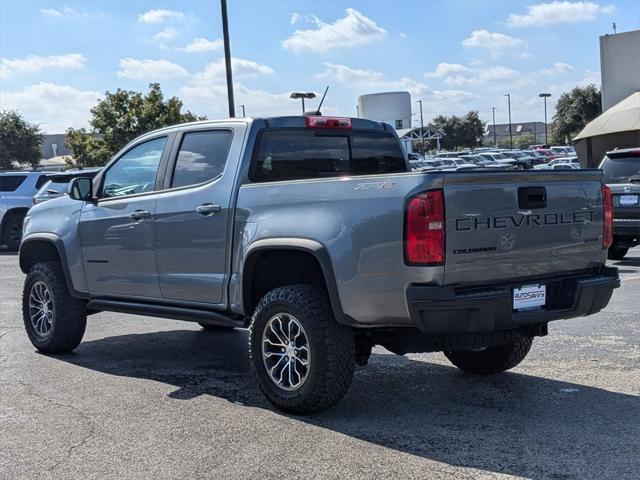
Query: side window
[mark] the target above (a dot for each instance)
(41, 181)
(10, 183)
(135, 171)
(202, 157)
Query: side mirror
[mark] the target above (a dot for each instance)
(81, 188)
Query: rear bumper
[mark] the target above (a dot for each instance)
(626, 227)
(486, 309)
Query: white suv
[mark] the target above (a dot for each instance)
(16, 195)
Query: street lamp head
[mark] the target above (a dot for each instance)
(296, 95)
(545, 95)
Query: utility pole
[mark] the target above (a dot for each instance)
(227, 58)
(495, 141)
(421, 124)
(545, 96)
(243, 114)
(508, 95)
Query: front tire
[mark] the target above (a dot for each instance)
(55, 321)
(491, 360)
(302, 358)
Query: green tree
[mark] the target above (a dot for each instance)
(20, 141)
(119, 118)
(573, 111)
(461, 132)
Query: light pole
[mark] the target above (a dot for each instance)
(243, 112)
(508, 95)
(302, 96)
(227, 58)
(545, 96)
(421, 124)
(495, 142)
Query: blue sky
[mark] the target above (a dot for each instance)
(58, 58)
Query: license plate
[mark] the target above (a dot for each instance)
(628, 199)
(529, 296)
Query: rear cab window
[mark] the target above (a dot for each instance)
(295, 154)
(10, 183)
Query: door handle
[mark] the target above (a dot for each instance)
(139, 215)
(208, 209)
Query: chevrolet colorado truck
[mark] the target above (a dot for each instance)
(313, 233)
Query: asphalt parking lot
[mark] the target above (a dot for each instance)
(149, 398)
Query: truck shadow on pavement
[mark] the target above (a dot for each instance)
(513, 423)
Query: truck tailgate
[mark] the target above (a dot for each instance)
(514, 225)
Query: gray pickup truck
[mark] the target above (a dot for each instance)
(313, 233)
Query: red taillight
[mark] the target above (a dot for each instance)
(607, 208)
(328, 122)
(424, 229)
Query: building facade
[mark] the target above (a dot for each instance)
(393, 108)
(619, 67)
(533, 129)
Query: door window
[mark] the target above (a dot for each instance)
(135, 171)
(202, 157)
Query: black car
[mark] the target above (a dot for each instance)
(621, 170)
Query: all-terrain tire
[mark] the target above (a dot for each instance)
(491, 360)
(332, 349)
(215, 328)
(12, 232)
(69, 318)
(616, 252)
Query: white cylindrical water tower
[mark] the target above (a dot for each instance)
(393, 108)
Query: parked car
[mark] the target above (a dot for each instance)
(558, 166)
(499, 158)
(621, 170)
(58, 183)
(539, 157)
(310, 231)
(416, 157)
(483, 162)
(563, 150)
(16, 193)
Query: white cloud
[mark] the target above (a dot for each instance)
(491, 77)
(160, 16)
(352, 30)
(494, 42)
(66, 12)
(447, 69)
(559, 12)
(558, 68)
(55, 107)
(342, 73)
(371, 80)
(151, 70)
(203, 45)
(212, 100)
(241, 68)
(165, 34)
(35, 63)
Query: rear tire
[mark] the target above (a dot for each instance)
(616, 252)
(491, 360)
(12, 232)
(55, 321)
(298, 320)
